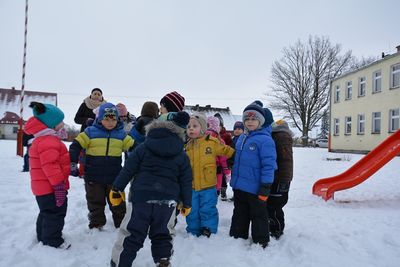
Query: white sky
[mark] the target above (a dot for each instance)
(216, 52)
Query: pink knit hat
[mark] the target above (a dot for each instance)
(213, 124)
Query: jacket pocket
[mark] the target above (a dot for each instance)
(210, 175)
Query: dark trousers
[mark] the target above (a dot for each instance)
(50, 221)
(248, 209)
(156, 220)
(25, 168)
(96, 197)
(275, 205)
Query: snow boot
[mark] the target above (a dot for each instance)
(206, 232)
(223, 194)
(64, 246)
(164, 262)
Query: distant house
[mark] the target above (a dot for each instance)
(226, 114)
(365, 105)
(10, 108)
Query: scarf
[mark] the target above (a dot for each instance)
(92, 104)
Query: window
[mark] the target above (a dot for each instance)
(361, 86)
(395, 76)
(349, 89)
(347, 125)
(336, 125)
(337, 94)
(361, 124)
(15, 129)
(376, 122)
(377, 77)
(394, 118)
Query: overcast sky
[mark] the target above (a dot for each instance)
(216, 52)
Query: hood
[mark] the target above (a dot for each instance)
(164, 138)
(33, 126)
(284, 127)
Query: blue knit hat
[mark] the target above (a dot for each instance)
(107, 109)
(239, 125)
(254, 110)
(49, 114)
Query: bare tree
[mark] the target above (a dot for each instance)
(301, 80)
(324, 133)
(357, 63)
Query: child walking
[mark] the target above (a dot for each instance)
(278, 198)
(104, 142)
(49, 169)
(252, 175)
(162, 177)
(202, 150)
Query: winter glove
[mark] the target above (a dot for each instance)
(60, 193)
(185, 211)
(74, 169)
(263, 192)
(116, 197)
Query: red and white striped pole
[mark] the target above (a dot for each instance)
(20, 147)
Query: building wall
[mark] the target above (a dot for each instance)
(7, 131)
(388, 98)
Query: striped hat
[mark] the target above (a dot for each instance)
(173, 102)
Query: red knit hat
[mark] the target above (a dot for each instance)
(173, 102)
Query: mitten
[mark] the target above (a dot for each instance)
(60, 193)
(116, 197)
(74, 169)
(89, 122)
(227, 173)
(263, 192)
(185, 211)
(283, 187)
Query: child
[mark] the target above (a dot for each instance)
(162, 177)
(238, 129)
(172, 102)
(202, 151)
(223, 172)
(49, 170)
(278, 198)
(252, 175)
(148, 113)
(104, 142)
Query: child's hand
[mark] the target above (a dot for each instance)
(263, 192)
(60, 194)
(116, 197)
(74, 169)
(185, 211)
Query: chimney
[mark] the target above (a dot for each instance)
(398, 48)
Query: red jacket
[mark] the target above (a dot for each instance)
(48, 160)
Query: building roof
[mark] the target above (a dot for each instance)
(226, 114)
(9, 118)
(10, 101)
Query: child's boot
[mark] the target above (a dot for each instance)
(206, 232)
(223, 194)
(164, 262)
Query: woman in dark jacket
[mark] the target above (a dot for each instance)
(85, 110)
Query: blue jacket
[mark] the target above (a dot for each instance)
(103, 151)
(255, 161)
(159, 167)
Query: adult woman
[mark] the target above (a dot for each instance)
(85, 110)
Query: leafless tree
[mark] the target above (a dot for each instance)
(301, 80)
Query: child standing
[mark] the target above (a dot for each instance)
(202, 151)
(162, 177)
(252, 175)
(49, 170)
(172, 102)
(104, 142)
(278, 198)
(238, 129)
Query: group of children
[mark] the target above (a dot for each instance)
(177, 163)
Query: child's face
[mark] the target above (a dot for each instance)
(193, 129)
(109, 122)
(163, 109)
(237, 131)
(252, 124)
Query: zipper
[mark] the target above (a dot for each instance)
(107, 149)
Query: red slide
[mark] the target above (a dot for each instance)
(360, 171)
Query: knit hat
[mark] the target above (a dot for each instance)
(96, 89)
(180, 118)
(107, 110)
(238, 124)
(255, 110)
(149, 109)
(49, 114)
(213, 124)
(122, 111)
(221, 120)
(269, 119)
(173, 102)
(201, 119)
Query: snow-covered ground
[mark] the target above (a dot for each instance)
(360, 228)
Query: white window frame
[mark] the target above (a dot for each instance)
(347, 125)
(336, 126)
(394, 120)
(349, 90)
(377, 80)
(361, 124)
(362, 86)
(337, 94)
(376, 120)
(394, 73)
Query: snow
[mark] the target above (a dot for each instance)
(359, 228)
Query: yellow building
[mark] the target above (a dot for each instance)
(365, 106)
